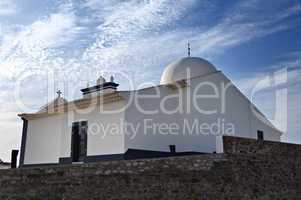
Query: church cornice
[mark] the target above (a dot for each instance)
(75, 105)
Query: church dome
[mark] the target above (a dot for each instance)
(186, 68)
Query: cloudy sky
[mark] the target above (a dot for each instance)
(71, 42)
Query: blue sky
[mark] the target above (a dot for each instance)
(248, 40)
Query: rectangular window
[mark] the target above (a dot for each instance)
(260, 135)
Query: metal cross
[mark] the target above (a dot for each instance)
(59, 92)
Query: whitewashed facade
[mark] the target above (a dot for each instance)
(190, 110)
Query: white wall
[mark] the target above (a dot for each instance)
(259, 123)
(49, 138)
(247, 118)
(183, 139)
(103, 137)
(43, 140)
(237, 112)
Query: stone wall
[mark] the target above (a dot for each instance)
(240, 173)
(236, 145)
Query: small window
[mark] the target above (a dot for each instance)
(260, 135)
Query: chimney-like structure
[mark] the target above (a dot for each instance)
(101, 87)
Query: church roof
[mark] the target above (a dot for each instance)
(59, 106)
(55, 103)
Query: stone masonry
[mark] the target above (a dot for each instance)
(249, 169)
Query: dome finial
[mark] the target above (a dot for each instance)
(189, 49)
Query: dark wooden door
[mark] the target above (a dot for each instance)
(79, 141)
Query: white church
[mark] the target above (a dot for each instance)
(187, 113)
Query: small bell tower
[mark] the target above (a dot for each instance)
(101, 87)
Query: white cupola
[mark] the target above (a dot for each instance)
(186, 68)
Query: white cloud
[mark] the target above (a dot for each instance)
(129, 20)
(34, 45)
(127, 27)
(24, 48)
(53, 31)
(123, 28)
